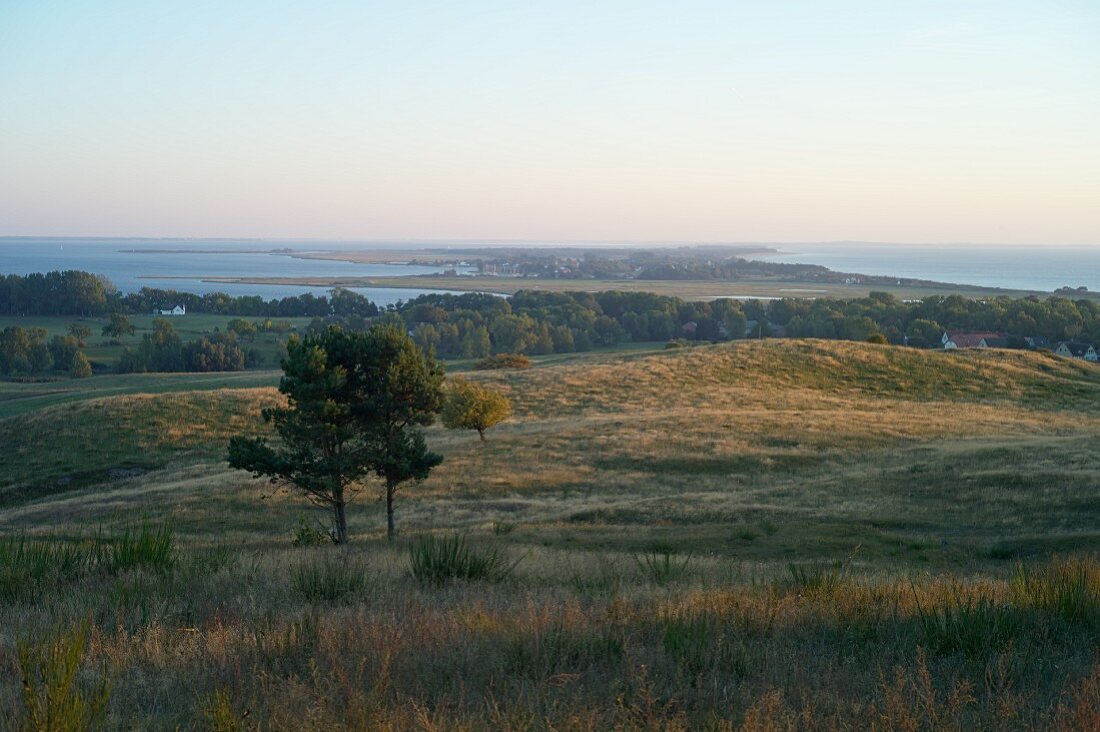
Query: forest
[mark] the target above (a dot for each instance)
(475, 325)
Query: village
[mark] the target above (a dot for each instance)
(1068, 349)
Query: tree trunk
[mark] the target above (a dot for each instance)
(391, 530)
(340, 514)
(481, 433)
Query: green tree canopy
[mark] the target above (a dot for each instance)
(80, 332)
(355, 402)
(79, 366)
(119, 326)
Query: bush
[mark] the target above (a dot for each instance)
(678, 343)
(504, 361)
(53, 697)
(435, 560)
(80, 367)
(329, 580)
(307, 535)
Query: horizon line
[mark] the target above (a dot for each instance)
(492, 241)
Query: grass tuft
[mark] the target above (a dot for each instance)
(974, 626)
(1066, 588)
(329, 580)
(814, 578)
(700, 643)
(144, 546)
(660, 566)
(436, 560)
(219, 713)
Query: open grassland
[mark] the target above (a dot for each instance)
(21, 397)
(69, 445)
(765, 535)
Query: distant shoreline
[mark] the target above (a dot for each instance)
(284, 252)
(686, 289)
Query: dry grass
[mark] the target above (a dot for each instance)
(845, 523)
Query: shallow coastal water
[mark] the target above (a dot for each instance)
(1013, 267)
(179, 265)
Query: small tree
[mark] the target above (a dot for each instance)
(80, 332)
(471, 406)
(80, 367)
(355, 401)
(243, 328)
(119, 326)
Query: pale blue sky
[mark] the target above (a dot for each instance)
(692, 121)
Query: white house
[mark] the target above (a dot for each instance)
(1076, 349)
(969, 340)
(178, 310)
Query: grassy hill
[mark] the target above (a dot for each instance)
(745, 534)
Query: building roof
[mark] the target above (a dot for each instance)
(1076, 348)
(1037, 342)
(971, 340)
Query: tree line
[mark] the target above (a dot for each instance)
(477, 325)
(474, 326)
(73, 292)
(921, 323)
(27, 351)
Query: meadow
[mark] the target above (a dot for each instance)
(760, 535)
(105, 351)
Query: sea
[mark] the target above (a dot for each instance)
(174, 264)
(179, 264)
(1037, 267)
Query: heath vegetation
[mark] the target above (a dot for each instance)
(762, 535)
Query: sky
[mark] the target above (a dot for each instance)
(583, 121)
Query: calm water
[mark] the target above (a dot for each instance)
(132, 270)
(1013, 267)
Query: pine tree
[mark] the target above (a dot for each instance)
(355, 405)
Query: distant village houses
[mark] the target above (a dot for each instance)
(1076, 349)
(1068, 349)
(178, 310)
(972, 340)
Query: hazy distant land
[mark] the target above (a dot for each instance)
(695, 272)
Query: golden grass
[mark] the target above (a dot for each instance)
(896, 482)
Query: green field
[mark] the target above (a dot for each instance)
(759, 535)
(105, 351)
